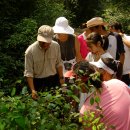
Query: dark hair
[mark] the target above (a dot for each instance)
(83, 25)
(83, 68)
(116, 26)
(115, 65)
(95, 38)
(111, 63)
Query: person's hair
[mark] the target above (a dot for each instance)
(111, 63)
(83, 26)
(95, 38)
(83, 68)
(115, 65)
(116, 26)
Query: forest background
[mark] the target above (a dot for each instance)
(20, 19)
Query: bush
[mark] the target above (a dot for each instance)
(12, 54)
(51, 111)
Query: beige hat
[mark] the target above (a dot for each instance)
(95, 22)
(45, 34)
(62, 26)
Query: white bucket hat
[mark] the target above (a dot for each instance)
(101, 65)
(62, 26)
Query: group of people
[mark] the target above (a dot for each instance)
(58, 50)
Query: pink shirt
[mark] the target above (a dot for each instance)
(115, 103)
(83, 45)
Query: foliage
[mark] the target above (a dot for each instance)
(56, 109)
(117, 11)
(82, 9)
(12, 53)
(52, 111)
(11, 13)
(47, 11)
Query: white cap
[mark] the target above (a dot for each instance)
(101, 65)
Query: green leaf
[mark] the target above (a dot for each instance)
(80, 119)
(75, 98)
(24, 90)
(2, 125)
(13, 91)
(3, 108)
(81, 71)
(94, 127)
(20, 121)
(69, 92)
(92, 101)
(97, 99)
(96, 120)
(18, 81)
(1, 94)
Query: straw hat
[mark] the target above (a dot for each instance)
(95, 22)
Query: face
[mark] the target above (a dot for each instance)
(44, 45)
(62, 37)
(111, 29)
(93, 48)
(96, 29)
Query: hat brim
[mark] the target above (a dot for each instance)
(44, 39)
(96, 24)
(68, 30)
(99, 64)
(96, 64)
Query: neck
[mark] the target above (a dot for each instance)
(107, 77)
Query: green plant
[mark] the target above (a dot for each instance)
(51, 111)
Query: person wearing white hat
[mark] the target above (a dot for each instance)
(43, 63)
(109, 67)
(70, 47)
(113, 94)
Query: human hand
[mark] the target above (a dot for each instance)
(62, 81)
(34, 95)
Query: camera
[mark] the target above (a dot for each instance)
(67, 66)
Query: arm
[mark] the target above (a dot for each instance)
(28, 73)
(60, 73)
(122, 57)
(59, 66)
(120, 48)
(126, 41)
(77, 49)
(31, 86)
